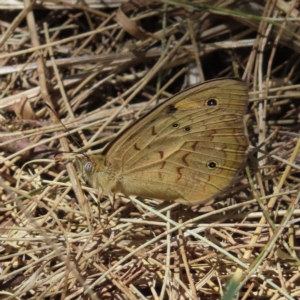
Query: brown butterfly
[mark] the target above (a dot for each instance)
(187, 149)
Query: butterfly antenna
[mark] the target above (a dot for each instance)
(66, 129)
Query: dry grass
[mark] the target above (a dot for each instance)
(101, 67)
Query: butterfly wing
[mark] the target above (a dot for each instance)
(226, 93)
(188, 149)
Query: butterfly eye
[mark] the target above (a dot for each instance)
(175, 125)
(211, 165)
(211, 102)
(187, 129)
(88, 166)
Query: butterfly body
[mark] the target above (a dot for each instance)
(188, 149)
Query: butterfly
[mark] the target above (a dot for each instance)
(188, 149)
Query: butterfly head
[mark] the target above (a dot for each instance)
(89, 166)
(96, 172)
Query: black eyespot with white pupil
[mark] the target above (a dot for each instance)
(212, 102)
(187, 128)
(175, 125)
(211, 165)
(88, 166)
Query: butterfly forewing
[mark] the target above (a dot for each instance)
(231, 94)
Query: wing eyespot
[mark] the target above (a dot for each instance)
(175, 125)
(88, 166)
(187, 128)
(211, 165)
(212, 102)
